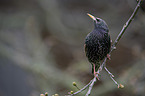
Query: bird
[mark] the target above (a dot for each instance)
(97, 43)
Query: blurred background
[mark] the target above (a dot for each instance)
(41, 47)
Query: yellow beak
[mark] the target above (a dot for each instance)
(91, 16)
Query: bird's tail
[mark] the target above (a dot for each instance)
(97, 65)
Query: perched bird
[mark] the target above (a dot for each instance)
(97, 43)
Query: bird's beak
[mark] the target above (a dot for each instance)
(91, 16)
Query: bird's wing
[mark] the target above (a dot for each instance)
(85, 48)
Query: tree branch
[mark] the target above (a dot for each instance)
(113, 47)
(91, 86)
(125, 26)
(82, 88)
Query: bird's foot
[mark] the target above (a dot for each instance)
(108, 57)
(95, 74)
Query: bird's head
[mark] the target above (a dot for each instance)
(98, 22)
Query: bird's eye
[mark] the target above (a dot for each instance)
(98, 20)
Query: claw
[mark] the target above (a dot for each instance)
(108, 57)
(96, 73)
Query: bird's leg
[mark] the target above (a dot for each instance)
(95, 72)
(108, 57)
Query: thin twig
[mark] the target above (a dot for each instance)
(114, 80)
(90, 87)
(108, 71)
(111, 76)
(102, 65)
(125, 26)
(82, 88)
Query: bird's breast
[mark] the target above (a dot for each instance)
(96, 47)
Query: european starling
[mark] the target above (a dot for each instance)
(97, 43)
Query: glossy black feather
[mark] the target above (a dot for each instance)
(97, 45)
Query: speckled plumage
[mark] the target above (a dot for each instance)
(97, 43)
